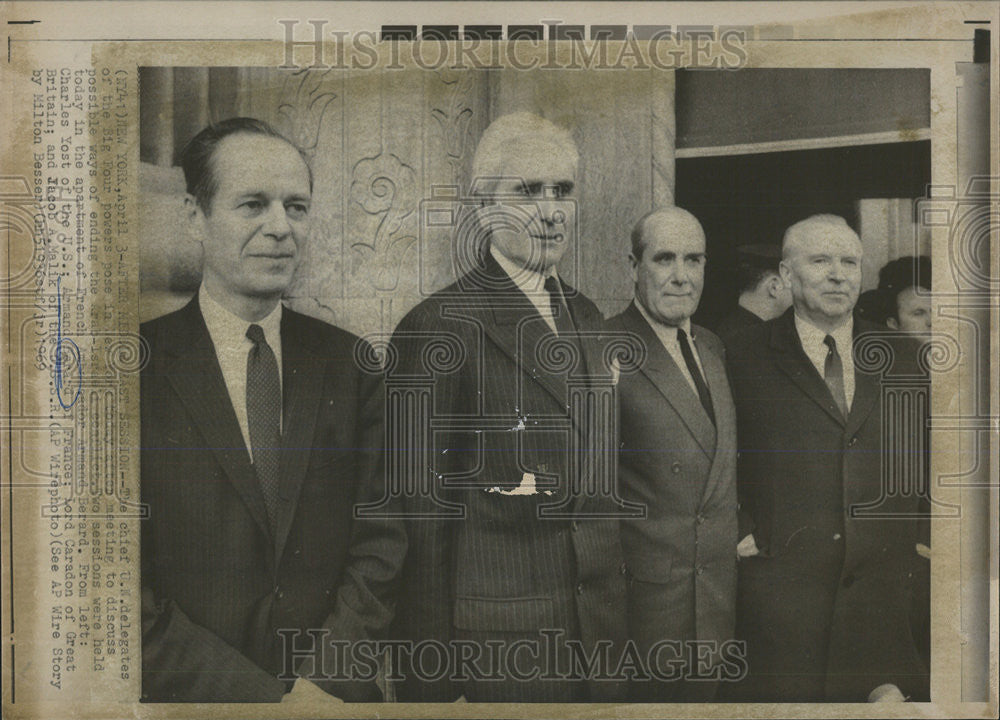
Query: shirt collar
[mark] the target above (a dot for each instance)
(228, 329)
(527, 280)
(812, 336)
(663, 329)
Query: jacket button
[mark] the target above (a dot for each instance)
(847, 581)
(297, 552)
(579, 589)
(700, 519)
(852, 442)
(622, 569)
(675, 468)
(278, 592)
(575, 525)
(700, 570)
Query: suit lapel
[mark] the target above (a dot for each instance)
(867, 389)
(196, 377)
(302, 380)
(718, 386)
(794, 362)
(662, 371)
(513, 324)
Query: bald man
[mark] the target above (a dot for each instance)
(823, 590)
(678, 457)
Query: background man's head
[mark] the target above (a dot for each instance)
(249, 191)
(759, 282)
(821, 263)
(906, 284)
(668, 264)
(525, 167)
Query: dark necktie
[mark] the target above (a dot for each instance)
(699, 381)
(560, 312)
(264, 416)
(833, 373)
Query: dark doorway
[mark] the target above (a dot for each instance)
(742, 199)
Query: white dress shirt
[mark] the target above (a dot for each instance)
(531, 283)
(816, 350)
(232, 347)
(668, 336)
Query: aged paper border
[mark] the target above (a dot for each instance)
(126, 35)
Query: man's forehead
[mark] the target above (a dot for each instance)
(246, 158)
(538, 166)
(674, 233)
(827, 239)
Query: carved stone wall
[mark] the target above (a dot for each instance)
(383, 143)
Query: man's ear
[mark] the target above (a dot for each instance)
(634, 266)
(194, 216)
(892, 323)
(190, 205)
(785, 273)
(774, 286)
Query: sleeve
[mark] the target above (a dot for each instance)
(184, 662)
(365, 600)
(427, 575)
(744, 521)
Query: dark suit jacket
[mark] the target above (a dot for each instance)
(503, 571)
(735, 323)
(217, 582)
(824, 607)
(681, 558)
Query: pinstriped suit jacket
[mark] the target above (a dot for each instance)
(217, 582)
(503, 572)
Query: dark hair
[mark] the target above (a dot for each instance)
(901, 273)
(874, 306)
(749, 276)
(196, 159)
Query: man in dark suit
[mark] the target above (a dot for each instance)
(763, 296)
(827, 550)
(906, 284)
(678, 457)
(259, 436)
(524, 559)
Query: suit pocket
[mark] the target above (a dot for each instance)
(503, 614)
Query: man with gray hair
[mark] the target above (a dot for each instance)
(508, 558)
(828, 549)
